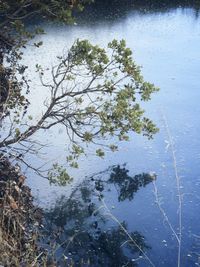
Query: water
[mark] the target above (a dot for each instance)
(165, 40)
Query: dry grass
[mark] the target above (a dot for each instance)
(19, 219)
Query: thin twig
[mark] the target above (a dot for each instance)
(127, 233)
(172, 148)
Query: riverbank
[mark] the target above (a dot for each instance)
(19, 219)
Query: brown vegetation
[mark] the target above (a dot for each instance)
(19, 219)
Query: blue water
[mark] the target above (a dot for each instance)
(167, 45)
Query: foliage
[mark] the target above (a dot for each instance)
(14, 36)
(94, 92)
(58, 175)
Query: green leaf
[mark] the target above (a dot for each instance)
(100, 153)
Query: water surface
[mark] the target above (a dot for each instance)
(165, 41)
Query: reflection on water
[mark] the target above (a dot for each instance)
(127, 186)
(165, 37)
(85, 230)
(92, 227)
(106, 10)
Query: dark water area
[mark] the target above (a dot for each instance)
(113, 10)
(102, 224)
(124, 210)
(97, 238)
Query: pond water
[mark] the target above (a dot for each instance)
(126, 209)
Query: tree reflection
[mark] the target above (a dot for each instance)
(83, 232)
(117, 9)
(127, 185)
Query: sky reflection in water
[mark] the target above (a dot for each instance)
(165, 41)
